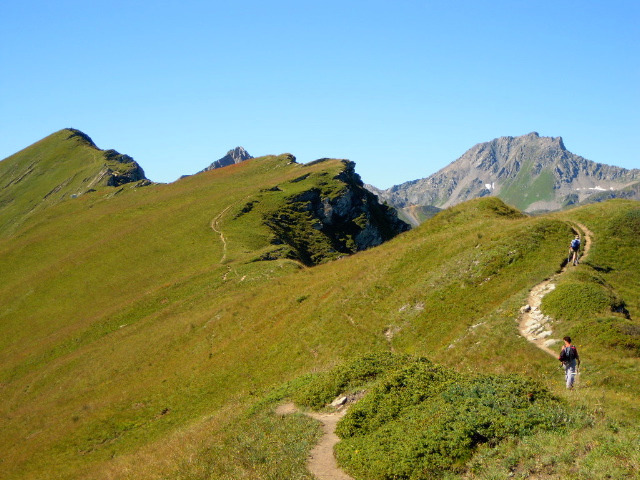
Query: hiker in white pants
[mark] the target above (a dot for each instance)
(570, 360)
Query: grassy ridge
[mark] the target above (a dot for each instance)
(64, 164)
(89, 285)
(132, 335)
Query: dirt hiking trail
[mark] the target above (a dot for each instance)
(534, 325)
(321, 462)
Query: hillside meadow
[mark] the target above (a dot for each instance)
(143, 335)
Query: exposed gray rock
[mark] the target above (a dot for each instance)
(232, 157)
(340, 223)
(530, 172)
(338, 402)
(132, 171)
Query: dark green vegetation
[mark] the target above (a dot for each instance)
(421, 420)
(142, 334)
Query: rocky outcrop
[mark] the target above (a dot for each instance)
(118, 169)
(232, 157)
(319, 225)
(530, 172)
(122, 169)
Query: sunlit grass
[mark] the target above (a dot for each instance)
(132, 343)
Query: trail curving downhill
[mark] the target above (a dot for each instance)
(215, 226)
(321, 462)
(533, 324)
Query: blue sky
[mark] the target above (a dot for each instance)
(401, 87)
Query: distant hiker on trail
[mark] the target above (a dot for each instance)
(574, 249)
(570, 360)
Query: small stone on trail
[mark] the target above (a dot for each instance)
(338, 402)
(526, 308)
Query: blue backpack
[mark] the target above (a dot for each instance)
(568, 354)
(575, 243)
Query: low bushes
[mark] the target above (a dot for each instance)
(420, 420)
(345, 377)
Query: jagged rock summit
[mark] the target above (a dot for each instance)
(530, 172)
(237, 155)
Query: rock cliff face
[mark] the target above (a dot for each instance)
(355, 213)
(236, 155)
(124, 169)
(118, 169)
(530, 172)
(323, 224)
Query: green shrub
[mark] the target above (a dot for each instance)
(326, 386)
(419, 419)
(431, 433)
(408, 386)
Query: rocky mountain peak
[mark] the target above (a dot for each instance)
(530, 172)
(239, 154)
(233, 156)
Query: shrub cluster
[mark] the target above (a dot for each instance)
(326, 386)
(421, 420)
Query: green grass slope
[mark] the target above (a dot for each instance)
(528, 187)
(136, 329)
(64, 164)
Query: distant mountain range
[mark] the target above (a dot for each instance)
(530, 172)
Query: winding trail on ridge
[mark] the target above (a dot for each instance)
(215, 226)
(533, 324)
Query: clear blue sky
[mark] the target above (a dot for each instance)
(401, 87)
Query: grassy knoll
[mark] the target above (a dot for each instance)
(135, 343)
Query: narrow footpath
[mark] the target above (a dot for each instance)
(534, 325)
(321, 462)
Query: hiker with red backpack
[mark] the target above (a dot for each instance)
(570, 361)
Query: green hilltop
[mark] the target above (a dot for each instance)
(151, 332)
(65, 164)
